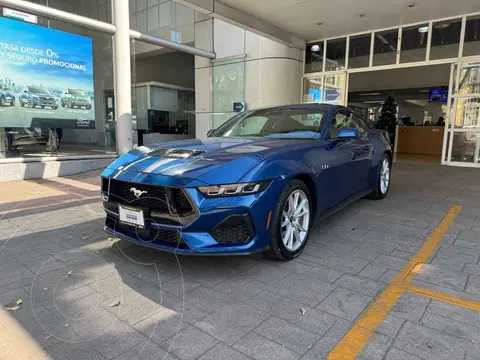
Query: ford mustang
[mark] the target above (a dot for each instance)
(255, 184)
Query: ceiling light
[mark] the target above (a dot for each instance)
(442, 25)
(423, 29)
(315, 48)
(371, 94)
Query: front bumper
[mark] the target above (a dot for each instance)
(236, 225)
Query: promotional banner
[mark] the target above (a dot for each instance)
(46, 77)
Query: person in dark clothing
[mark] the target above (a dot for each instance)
(441, 121)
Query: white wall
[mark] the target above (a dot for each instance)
(249, 68)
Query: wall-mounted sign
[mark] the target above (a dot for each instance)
(238, 107)
(46, 77)
(20, 15)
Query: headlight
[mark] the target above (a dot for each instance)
(234, 189)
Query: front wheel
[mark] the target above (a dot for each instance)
(292, 222)
(382, 184)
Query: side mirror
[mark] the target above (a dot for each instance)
(210, 132)
(348, 133)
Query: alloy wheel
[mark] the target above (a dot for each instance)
(385, 176)
(295, 220)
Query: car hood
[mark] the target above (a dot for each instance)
(212, 161)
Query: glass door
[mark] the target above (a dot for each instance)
(462, 145)
(327, 88)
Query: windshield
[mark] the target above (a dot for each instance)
(287, 123)
(76, 92)
(37, 90)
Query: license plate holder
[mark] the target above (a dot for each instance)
(131, 216)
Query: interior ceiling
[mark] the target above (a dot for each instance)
(342, 17)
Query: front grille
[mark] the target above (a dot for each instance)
(147, 235)
(153, 197)
(157, 199)
(236, 229)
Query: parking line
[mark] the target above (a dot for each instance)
(353, 342)
(454, 300)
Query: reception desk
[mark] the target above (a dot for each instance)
(420, 140)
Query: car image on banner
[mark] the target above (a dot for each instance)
(46, 78)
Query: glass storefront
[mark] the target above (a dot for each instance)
(55, 82)
(453, 41)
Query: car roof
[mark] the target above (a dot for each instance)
(316, 106)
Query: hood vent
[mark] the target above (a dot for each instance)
(176, 153)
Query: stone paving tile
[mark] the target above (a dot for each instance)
(397, 354)
(222, 352)
(410, 307)
(248, 291)
(455, 328)
(287, 334)
(345, 303)
(189, 344)
(390, 262)
(316, 321)
(301, 288)
(448, 263)
(429, 344)
(346, 263)
(161, 326)
(147, 350)
(231, 323)
(390, 326)
(360, 285)
(260, 348)
(325, 345)
(376, 348)
(324, 273)
(473, 285)
(373, 272)
(208, 300)
(442, 277)
(459, 253)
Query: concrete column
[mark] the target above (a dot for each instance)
(123, 85)
(268, 72)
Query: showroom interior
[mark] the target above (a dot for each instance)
(430, 70)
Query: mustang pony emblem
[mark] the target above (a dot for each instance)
(137, 192)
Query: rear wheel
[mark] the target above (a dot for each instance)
(292, 222)
(382, 184)
(8, 144)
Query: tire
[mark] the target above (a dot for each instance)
(53, 143)
(381, 188)
(22, 104)
(54, 107)
(8, 144)
(278, 248)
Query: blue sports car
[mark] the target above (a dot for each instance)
(257, 183)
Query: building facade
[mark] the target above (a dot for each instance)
(160, 70)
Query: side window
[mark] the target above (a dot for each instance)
(342, 120)
(361, 122)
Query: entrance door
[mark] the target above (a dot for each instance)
(326, 88)
(462, 142)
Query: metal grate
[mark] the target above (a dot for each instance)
(152, 235)
(235, 229)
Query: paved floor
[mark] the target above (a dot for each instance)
(87, 296)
